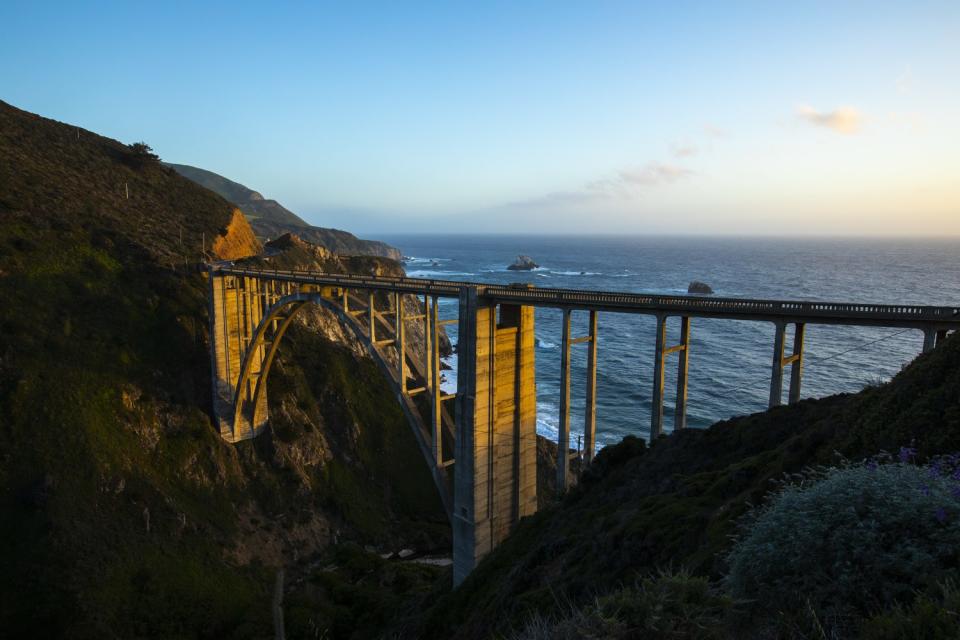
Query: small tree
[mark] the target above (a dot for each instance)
(141, 154)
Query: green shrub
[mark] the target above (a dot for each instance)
(668, 605)
(847, 542)
(933, 616)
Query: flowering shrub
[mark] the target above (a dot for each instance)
(852, 540)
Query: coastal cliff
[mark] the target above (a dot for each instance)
(122, 513)
(271, 220)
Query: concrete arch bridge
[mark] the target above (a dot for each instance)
(480, 443)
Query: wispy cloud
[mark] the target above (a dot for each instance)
(842, 120)
(713, 131)
(685, 150)
(626, 184)
(654, 173)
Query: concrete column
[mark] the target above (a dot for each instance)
(400, 333)
(495, 448)
(590, 411)
(796, 368)
(776, 375)
(680, 414)
(563, 437)
(427, 360)
(656, 411)
(436, 406)
(941, 336)
(372, 316)
(346, 300)
(929, 339)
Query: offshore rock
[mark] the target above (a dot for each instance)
(699, 287)
(523, 263)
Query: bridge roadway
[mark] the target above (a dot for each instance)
(920, 317)
(483, 455)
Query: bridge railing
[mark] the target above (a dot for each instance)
(745, 306)
(621, 301)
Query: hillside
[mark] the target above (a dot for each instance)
(676, 504)
(270, 219)
(122, 514)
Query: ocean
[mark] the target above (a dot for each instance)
(729, 367)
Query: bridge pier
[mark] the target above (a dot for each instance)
(795, 360)
(590, 411)
(495, 476)
(659, 364)
(563, 427)
(564, 456)
(929, 339)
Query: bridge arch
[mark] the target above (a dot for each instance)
(249, 399)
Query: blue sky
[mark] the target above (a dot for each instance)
(533, 117)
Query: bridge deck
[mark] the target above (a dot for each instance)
(814, 312)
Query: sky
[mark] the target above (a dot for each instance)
(524, 117)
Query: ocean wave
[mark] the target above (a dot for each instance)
(432, 273)
(548, 420)
(418, 260)
(576, 273)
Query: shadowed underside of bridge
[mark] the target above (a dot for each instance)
(482, 451)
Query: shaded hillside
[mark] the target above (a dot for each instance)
(675, 504)
(122, 514)
(270, 219)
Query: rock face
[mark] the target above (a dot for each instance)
(270, 219)
(237, 239)
(523, 263)
(699, 287)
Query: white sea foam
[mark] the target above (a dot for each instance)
(432, 273)
(548, 420)
(419, 260)
(576, 273)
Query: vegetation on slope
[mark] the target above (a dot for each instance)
(677, 503)
(122, 514)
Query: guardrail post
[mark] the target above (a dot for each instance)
(776, 374)
(563, 435)
(656, 411)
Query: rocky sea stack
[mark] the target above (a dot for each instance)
(523, 263)
(699, 287)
